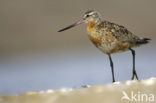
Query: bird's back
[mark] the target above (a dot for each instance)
(120, 33)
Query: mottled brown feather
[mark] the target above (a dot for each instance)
(110, 37)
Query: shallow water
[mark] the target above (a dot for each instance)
(47, 70)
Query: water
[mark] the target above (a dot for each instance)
(44, 70)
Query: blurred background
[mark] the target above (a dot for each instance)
(35, 57)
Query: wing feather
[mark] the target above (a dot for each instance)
(119, 32)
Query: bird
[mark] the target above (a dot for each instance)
(110, 37)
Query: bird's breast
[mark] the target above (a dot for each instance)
(91, 27)
(95, 39)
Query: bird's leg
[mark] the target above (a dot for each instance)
(112, 67)
(134, 71)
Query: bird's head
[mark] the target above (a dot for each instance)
(89, 16)
(92, 15)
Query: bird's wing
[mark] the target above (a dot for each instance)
(118, 32)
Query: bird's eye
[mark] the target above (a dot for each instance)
(87, 15)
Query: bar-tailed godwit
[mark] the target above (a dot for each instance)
(110, 37)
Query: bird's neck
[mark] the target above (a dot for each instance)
(92, 26)
(98, 20)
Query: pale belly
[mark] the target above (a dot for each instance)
(109, 46)
(112, 48)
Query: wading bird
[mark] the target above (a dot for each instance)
(110, 37)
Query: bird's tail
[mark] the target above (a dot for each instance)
(143, 41)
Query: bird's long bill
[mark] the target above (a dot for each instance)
(70, 26)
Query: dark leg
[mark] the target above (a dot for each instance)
(134, 71)
(112, 68)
